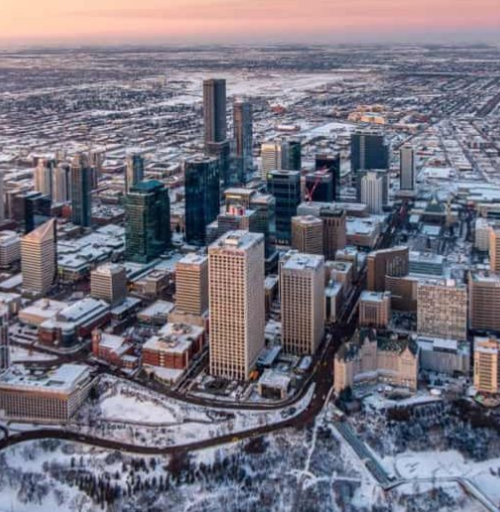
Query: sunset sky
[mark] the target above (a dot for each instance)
(177, 21)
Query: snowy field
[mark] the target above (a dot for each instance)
(311, 469)
(133, 414)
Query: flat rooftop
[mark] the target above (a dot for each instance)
(237, 240)
(302, 261)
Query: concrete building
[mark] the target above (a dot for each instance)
(302, 292)
(429, 264)
(236, 301)
(191, 284)
(43, 176)
(61, 183)
(10, 248)
(134, 171)
(369, 358)
(450, 357)
(484, 301)
(39, 258)
(307, 234)
(393, 262)
(375, 309)
(486, 365)
(54, 396)
(482, 234)
(442, 309)
(270, 153)
(109, 282)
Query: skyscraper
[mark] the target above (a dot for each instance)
(407, 168)
(61, 181)
(285, 187)
(134, 170)
(44, 175)
(147, 232)
(320, 186)
(236, 300)
(191, 284)
(495, 249)
(270, 153)
(330, 162)
(39, 258)
(2, 200)
(202, 186)
(369, 150)
(81, 190)
(31, 209)
(291, 155)
(214, 110)
(243, 136)
(307, 234)
(4, 342)
(302, 293)
(372, 191)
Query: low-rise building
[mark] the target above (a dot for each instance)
(438, 355)
(53, 395)
(274, 385)
(114, 350)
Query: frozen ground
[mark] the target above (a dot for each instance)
(310, 468)
(133, 414)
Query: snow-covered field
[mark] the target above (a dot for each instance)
(133, 414)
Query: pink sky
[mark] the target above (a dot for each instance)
(249, 20)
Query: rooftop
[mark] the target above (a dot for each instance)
(302, 261)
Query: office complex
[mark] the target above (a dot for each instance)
(407, 168)
(31, 209)
(10, 248)
(147, 232)
(214, 110)
(302, 293)
(81, 190)
(369, 150)
(243, 138)
(236, 301)
(270, 154)
(43, 175)
(291, 155)
(307, 234)
(285, 188)
(109, 282)
(329, 162)
(61, 183)
(134, 171)
(39, 258)
(191, 284)
(442, 309)
(320, 186)
(202, 190)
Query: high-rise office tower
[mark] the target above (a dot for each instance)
(134, 170)
(10, 248)
(109, 282)
(495, 249)
(285, 187)
(320, 186)
(214, 110)
(375, 309)
(96, 159)
(302, 292)
(369, 150)
(372, 191)
(61, 181)
(221, 151)
(39, 258)
(44, 175)
(31, 209)
(330, 162)
(307, 234)
(191, 284)
(487, 365)
(442, 309)
(334, 221)
(147, 231)
(271, 160)
(484, 302)
(4, 342)
(81, 190)
(291, 155)
(202, 188)
(236, 299)
(243, 136)
(407, 168)
(393, 262)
